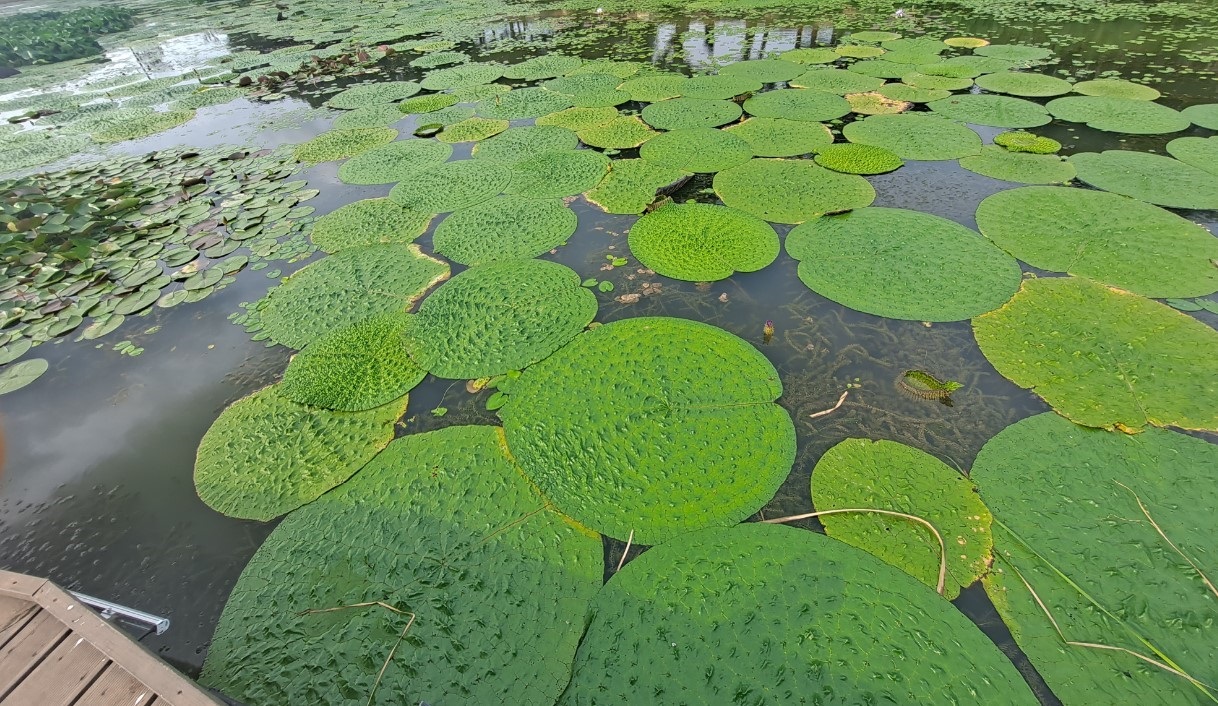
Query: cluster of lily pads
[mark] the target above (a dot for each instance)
(48, 36)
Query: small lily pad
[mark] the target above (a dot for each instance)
(850, 158)
(701, 242)
(17, 375)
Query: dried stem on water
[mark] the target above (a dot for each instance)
(834, 408)
(402, 636)
(622, 561)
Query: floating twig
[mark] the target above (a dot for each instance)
(394, 649)
(832, 409)
(622, 561)
(1170, 543)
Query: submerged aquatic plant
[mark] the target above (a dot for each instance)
(921, 384)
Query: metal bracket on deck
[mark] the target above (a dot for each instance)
(108, 610)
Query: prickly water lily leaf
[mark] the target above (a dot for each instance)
(393, 162)
(719, 87)
(935, 83)
(797, 104)
(451, 186)
(851, 158)
(764, 70)
(369, 116)
(1030, 85)
(504, 228)
(699, 242)
(879, 68)
(815, 55)
(858, 51)
(966, 42)
(875, 104)
(995, 111)
(345, 288)
(656, 87)
(623, 132)
(696, 150)
(266, 454)
(461, 76)
(837, 81)
(367, 222)
(359, 367)
(17, 375)
(872, 36)
(545, 66)
(1020, 167)
(1014, 52)
(583, 83)
(680, 113)
(340, 144)
(442, 527)
(1205, 116)
(910, 94)
(1153, 178)
(373, 93)
(1097, 494)
(1105, 237)
(903, 265)
(557, 173)
(1116, 88)
(1020, 141)
(1136, 117)
(520, 143)
(579, 118)
(429, 103)
(631, 185)
(922, 137)
(659, 439)
(1103, 357)
(472, 130)
(768, 614)
(913, 44)
(498, 317)
(143, 126)
(861, 473)
(1199, 152)
(522, 103)
(790, 190)
(776, 137)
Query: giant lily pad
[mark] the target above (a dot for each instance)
(790, 190)
(1020, 167)
(1095, 495)
(439, 539)
(266, 454)
(699, 242)
(579, 118)
(1199, 152)
(910, 136)
(545, 66)
(797, 104)
(860, 473)
(1136, 117)
(504, 228)
(811, 55)
(656, 87)
(763, 70)
(657, 439)
(522, 103)
(777, 137)
(719, 87)
(345, 288)
(1029, 85)
(903, 265)
(472, 130)
(1205, 116)
(1116, 88)
(765, 614)
(679, 113)
(137, 127)
(372, 93)
(837, 81)
(631, 185)
(520, 143)
(623, 132)
(583, 83)
(452, 185)
(1014, 52)
(1108, 238)
(1148, 177)
(498, 317)
(995, 111)
(1103, 357)
(393, 162)
(696, 150)
(340, 144)
(558, 173)
(369, 116)
(461, 76)
(367, 222)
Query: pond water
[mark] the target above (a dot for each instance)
(97, 489)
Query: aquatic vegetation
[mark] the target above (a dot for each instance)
(521, 103)
(903, 265)
(429, 507)
(875, 104)
(923, 385)
(763, 70)
(1117, 88)
(777, 137)
(623, 132)
(1205, 116)
(367, 222)
(267, 455)
(557, 173)
(1149, 177)
(48, 37)
(1083, 347)
(440, 58)
(393, 162)
(858, 51)
(850, 158)
(714, 446)
(1020, 141)
(1014, 52)
(1136, 117)
(144, 126)
(754, 605)
(462, 76)
(719, 87)
(583, 83)
(1019, 167)
(995, 111)
(428, 103)
(966, 42)
(910, 136)
(451, 186)
(207, 98)
(546, 66)
(701, 242)
(372, 93)
(873, 36)
(1199, 152)
(930, 82)
(837, 81)
(18, 375)
(504, 228)
(579, 118)
(682, 113)
(25, 150)
(879, 68)
(517, 144)
(340, 144)
(790, 190)
(696, 150)
(1020, 83)
(910, 94)
(797, 104)
(368, 116)
(632, 184)
(472, 130)
(655, 87)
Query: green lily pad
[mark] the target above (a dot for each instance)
(1135, 117)
(451, 186)
(767, 614)
(340, 144)
(656, 87)
(631, 185)
(142, 126)
(656, 439)
(995, 111)
(790, 190)
(266, 455)
(879, 68)
(680, 113)
(903, 265)
(699, 242)
(1108, 238)
(1097, 494)
(461, 76)
(1025, 84)
(1116, 88)
(427, 104)
(815, 55)
(1020, 141)
(861, 473)
(858, 51)
(927, 45)
(201, 280)
(504, 228)
(921, 137)
(367, 222)
(522, 103)
(696, 150)
(440, 527)
(207, 98)
(393, 162)
(557, 173)
(621, 69)
(776, 137)
(372, 93)
(345, 288)
(910, 94)
(623, 132)
(1102, 356)
(600, 99)
(875, 104)
(520, 143)
(583, 83)
(797, 104)
(935, 83)
(356, 368)
(579, 118)
(1150, 177)
(970, 66)
(850, 158)
(545, 66)
(1014, 52)
(472, 130)
(763, 70)
(499, 317)
(1205, 116)
(17, 375)
(928, 59)
(444, 117)
(966, 42)
(1019, 167)
(837, 81)
(1199, 152)
(872, 36)
(718, 87)
(368, 116)
(440, 58)
(138, 300)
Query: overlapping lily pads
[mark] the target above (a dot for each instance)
(790, 190)
(777, 137)
(679, 113)
(545, 66)
(462, 76)
(702, 242)
(797, 104)
(579, 118)
(504, 228)
(763, 70)
(1205, 115)
(393, 162)
(1020, 167)
(367, 222)
(1199, 152)
(718, 87)
(910, 136)
(1116, 88)
(521, 103)
(371, 93)
(452, 185)
(1152, 178)
(631, 185)
(995, 111)
(623, 132)
(472, 130)
(520, 143)
(696, 150)
(557, 173)
(837, 81)
(340, 144)
(1128, 115)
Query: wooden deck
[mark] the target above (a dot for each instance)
(55, 651)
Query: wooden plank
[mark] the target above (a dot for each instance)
(26, 650)
(15, 613)
(68, 670)
(19, 585)
(116, 687)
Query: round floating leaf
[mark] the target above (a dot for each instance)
(440, 58)
(679, 113)
(819, 55)
(1205, 116)
(657, 87)
(428, 103)
(345, 288)
(1149, 177)
(925, 45)
(266, 454)
(558, 173)
(861, 473)
(393, 162)
(910, 94)
(1024, 84)
(472, 129)
(1116, 88)
(797, 104)
(1019, 167)
(461, 76)
(699, 242)
(499, 317)
(621, 69)
(583, 83)
(447, 116)
(763, 70)
(600, 99)
(995, 111)
(1014, 52)
(579, 118)
(697, 150)
(1019, 141)
(922, 137)
(837, 81)
(790, 190)
(1199, 152)
(659, 439)
(1136, 117)
(1103, 357)
(936, 83)
(903, 265)
(520, 143)
(504, 228)
(142, 126)
(477, 92)
(367, 222)
(850, 158)
(872, 37)
(442, 528)
(966, 42)
(718, 87)
(17, 375)
(858, 51)
(766, 614)
(923, 58)
(367, 94)
(370, 116)
(1098, 494)
(522, 103)
(545, 66)
(876, 104)
(207, 98)
(631, 185)
(624, 132)
(879, 68)
(775, 137)
(452, 185)
(340, 144)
